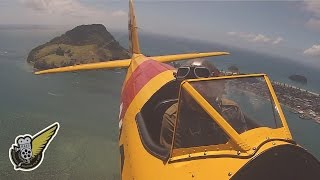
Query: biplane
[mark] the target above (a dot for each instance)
(264, 149)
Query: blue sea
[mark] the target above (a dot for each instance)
(86, 104)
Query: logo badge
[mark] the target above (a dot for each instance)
(28, 151)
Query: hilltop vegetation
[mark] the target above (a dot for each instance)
(83, 44)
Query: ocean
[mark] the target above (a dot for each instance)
(86, 104)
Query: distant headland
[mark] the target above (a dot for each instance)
(81, 45)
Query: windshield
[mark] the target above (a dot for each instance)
(245, 103)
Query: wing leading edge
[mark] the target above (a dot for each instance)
(126, 62)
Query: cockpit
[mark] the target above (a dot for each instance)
(216, 111)
(224, 115)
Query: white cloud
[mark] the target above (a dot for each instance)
(72, 12)
(256, 38)
(72, 8)
(278, 40)
(313, 51)
(119, 13)
(37, 5)
(313, 23)
(231, 33)
(260, 38)
(314, 8)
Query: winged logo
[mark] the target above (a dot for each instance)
(28, 151)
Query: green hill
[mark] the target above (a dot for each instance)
(83, 44)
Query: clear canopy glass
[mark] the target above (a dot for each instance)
(245, 103)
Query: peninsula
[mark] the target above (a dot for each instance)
(81, 45)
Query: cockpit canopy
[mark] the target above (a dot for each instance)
(221, 110)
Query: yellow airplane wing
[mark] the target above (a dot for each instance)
(126, 62)
(101, 65)
(178, 57)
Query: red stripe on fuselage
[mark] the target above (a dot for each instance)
(139, 78)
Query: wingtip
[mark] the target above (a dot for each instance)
(225, 53)
(41, 72)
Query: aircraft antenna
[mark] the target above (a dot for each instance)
(134, 46)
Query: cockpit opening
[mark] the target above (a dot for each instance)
(207, 110)
(244, 103)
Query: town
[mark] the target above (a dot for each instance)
(300, 101)
(304, 103)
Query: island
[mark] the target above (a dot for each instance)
(233, 69)
(81, 45)
(298, 78)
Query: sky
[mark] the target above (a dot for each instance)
(285, 28)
